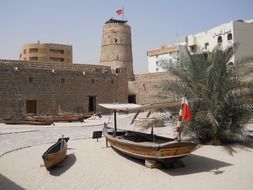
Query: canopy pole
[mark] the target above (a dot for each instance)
(115, 121)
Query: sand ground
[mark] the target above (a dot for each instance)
(91, 165)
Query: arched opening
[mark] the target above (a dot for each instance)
(219, 40)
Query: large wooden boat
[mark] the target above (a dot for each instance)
(142, 145)
(69, 117)
(148, 146)
(26, 122)
(56, 153)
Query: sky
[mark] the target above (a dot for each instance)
(80, 22)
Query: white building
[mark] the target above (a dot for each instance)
(164, 54)
(224, 35)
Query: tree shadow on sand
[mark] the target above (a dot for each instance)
(64, 166)
(196, 164)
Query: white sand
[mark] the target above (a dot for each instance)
(90, 165)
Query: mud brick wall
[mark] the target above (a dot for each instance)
(57, 87)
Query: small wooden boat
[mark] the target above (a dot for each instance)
(142, 145)
(56, 153)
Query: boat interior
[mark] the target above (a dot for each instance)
(140, 137)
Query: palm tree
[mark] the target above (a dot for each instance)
(221, 105)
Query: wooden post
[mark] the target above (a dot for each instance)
(115, 122)
(148, 114)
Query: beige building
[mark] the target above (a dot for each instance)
(46, 52)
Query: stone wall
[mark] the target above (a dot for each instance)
(57, 87)
(147, 87)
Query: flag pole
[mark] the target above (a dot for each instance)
(123, 13)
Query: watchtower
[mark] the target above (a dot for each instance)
(116, 48)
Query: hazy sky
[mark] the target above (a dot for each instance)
(80, 22)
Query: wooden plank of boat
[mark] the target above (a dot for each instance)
(147, 146)
(56, 153)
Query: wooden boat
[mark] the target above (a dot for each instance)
(56, 153)
(142, 145)
(26, 122)
(72, 117)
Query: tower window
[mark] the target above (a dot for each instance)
(115, 40)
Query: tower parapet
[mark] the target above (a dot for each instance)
(116, 48)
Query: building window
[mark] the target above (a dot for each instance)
(157, 63)
(99, 70)
(132, 99)
(57, 51)
(62, 80)
(33, 50)
(24, 51)
(206, 45)
(33, 58)
(157, 69)
(56, 59)
(112, 81)
(92, 81)
(229, 37)
(219, 40)
(193, 48)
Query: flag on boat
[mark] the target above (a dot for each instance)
(186, 111)
(119, 11)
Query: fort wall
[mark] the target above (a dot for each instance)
(57, 88)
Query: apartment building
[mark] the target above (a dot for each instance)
(158, 57)
(46, 52)
(223, 36)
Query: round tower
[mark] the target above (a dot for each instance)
(116, 49)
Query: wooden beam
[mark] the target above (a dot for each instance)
(137, 113)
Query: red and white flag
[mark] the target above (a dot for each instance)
(186, 111)
(119, 11)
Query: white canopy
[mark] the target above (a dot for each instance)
(122, 107)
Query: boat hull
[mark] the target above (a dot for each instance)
(53, 157)
(159, 149)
